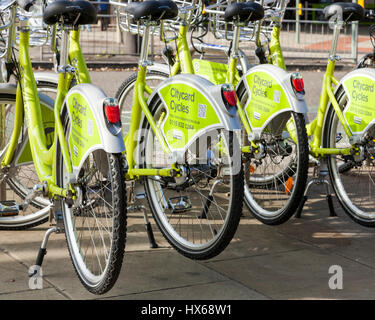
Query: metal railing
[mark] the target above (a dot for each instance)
(300, 39)
(307, 38)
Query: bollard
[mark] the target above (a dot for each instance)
(298, 26)
(354, 46)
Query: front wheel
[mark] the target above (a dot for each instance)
(95, 224)
(352, 176)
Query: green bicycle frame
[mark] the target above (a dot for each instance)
(327, 96)
(276, 55)
(276, 58)
(184, 64)
(140, 105)
(27, 103)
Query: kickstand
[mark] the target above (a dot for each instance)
(42, 251)
(150, 233)
(55, 213)
(321, 179)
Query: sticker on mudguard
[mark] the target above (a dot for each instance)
(84, 134)
(266, 98)
(189, 113)
(359, 111)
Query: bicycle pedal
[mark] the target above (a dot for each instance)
(179, 204)
(140, 195)
(9, 208)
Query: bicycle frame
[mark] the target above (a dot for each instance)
(204, 92)
(276, 55)
(184, 65)
(27, 102)
(139, 106)
(276, 58)
(327, 96)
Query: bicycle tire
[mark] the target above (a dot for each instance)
(182, 229)
(275, 184)
(124, 93)
(97, 262)
(356, 201)
(19, 184)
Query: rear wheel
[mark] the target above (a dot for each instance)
(352, 176)
(275, 177)
(198, 213)
(95, 224)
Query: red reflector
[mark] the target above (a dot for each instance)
(298, 84)
(231, 97)
(112, 113)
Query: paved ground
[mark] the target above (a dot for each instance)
(290, 261)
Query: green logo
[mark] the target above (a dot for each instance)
(84, 133)
(359, 111)
(266, 97)
(188, 113)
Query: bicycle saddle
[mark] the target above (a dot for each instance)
(345, 11)
(153, 10)
(70, 12)
(244, 12)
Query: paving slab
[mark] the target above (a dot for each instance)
(280, 275)
(351, 290)
(13, 276)
(223, 290)
(45, 294)
(253, 239)
(142, 271)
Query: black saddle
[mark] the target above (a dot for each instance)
(70, 12)
(345, 11)
(153, 10)
(244, 12)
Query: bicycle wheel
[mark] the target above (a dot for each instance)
(354, 186)
(95, 225)
(275, 179)
(21, 178)
(125, 93)
(199, 212)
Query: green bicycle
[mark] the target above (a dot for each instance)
(341, 134)
(182, 146)
(275, 164)
(81, 170)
